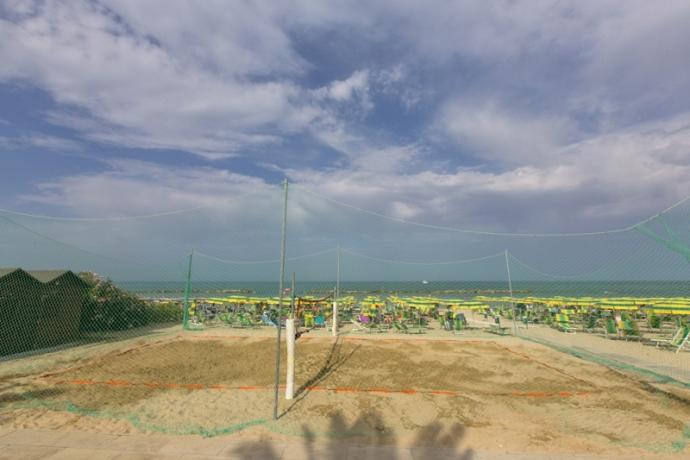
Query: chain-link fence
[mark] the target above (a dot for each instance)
(167, 322)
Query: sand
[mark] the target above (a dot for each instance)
(473, 392)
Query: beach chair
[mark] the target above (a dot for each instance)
(361, 323)
(610, 326)
(680, 339)
(685, 341)
(407, 329)
(265, 319)
(245, 321)
(308, 320)
(627, 328)
(590, 323)
(496, 327)
(563, 323)
(398, 328)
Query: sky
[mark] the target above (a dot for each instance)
(503, 116)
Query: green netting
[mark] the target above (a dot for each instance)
(165, 322)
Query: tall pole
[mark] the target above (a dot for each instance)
(290, 346)
(336, 293)
(510, 289)
(187, 292)
(280, 297)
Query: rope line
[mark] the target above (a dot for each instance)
(271, 261)
(488, 233)
(366, 211)
(85, 251)
(105, 219)
(476, 259)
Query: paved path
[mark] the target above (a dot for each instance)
(74, 445)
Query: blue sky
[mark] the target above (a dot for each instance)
(541, 116)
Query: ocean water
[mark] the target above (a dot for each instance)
(466, 289)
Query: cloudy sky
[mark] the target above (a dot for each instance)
(540, 116)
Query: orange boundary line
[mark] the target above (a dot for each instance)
(408, 391)
(342, 337)
(541, 363)
(400, 339)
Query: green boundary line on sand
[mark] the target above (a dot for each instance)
(676, 446)
(134, 419)
(592, 357)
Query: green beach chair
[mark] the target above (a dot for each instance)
(247, 322)
(627, 328)
(399, 328)
(309, 320)
(407, 329)
(685, 340)
(496, 327)
(610, 326)
(563, 323)
(680, 339)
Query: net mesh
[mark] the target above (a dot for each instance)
(114, 318)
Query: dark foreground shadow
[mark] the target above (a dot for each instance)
(366, 437)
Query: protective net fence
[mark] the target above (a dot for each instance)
(166, 322)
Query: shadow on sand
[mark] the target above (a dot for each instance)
(366, 437)
(343, 440)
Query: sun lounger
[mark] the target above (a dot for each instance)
(246, 321)
(497, 329)
(308, 320)
(265, 319)
(627, 329)
(680, 339)
(562, 323)
(403, 328)
(363, 322)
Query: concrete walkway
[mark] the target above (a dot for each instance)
(27, 444)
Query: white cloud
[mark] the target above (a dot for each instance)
(599, 183)
(132, 187)
(357, 85)
(42, 141)
(603, 182)
(183, 79)
(554, 99)
(493, 133)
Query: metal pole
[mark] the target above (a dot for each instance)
(187, 289)
(510, 289)
(280, 298)
(336, 294)
(290, 346)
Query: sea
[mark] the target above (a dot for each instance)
(443, 289)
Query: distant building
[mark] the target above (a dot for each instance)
(39, 308)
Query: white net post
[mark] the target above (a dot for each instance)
(290, 342)
(510, 290)
(290, 346)
(334, 329)
(336, 293)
